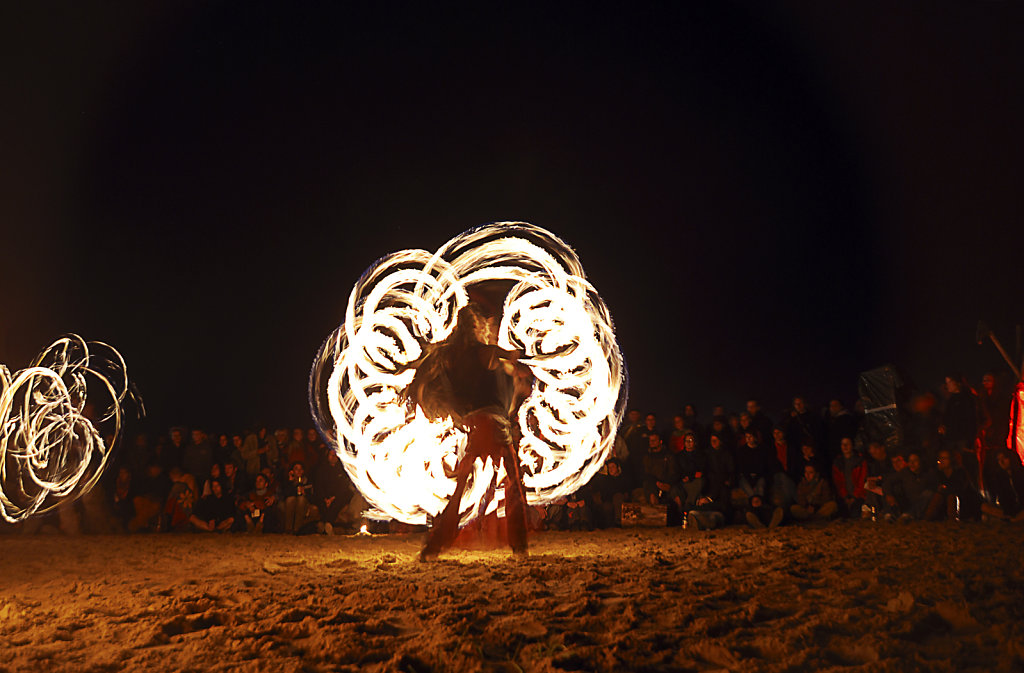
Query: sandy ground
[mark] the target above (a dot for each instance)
(859, 596)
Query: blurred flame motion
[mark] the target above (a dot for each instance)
(51, 448)
(401, 461)
(1015, 441)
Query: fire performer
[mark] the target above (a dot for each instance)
(480, 386)
(422, 379)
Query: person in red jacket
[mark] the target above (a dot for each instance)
(849, 471)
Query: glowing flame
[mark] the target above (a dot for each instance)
(49, 449)
(1015, 442)
(403, 463)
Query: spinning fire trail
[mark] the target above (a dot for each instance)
(401, 461)
(51, 414)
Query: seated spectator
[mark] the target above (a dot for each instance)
(849, 472)
(755, 464)
(892, 489)
(214, 512)
(761, 513)
(919, 484)
(720, 427)
(879, 469)
(216, 472)
(555, 516)
(259, 506)
(332, 491)
(746, 423)
(1006, 486)
(609, 489)
(234, 480)
(714, 506)
(814, 499)
(151, 491)
(180, 500)
(678, 433)
(757, 467)
(660, 472)
(956, 496)
(784, 452)
(690, 466)
(577, 514)
(808, 456)
(297, 492)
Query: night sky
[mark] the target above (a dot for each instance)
(771, 197)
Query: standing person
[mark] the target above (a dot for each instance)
(639, 449)
(249, 450)
(994, 424)
(460, 377)
(173, 454)
(839, 423)
(960, 425)
(803, 425)
(222, 452)
(691, 422)
(759, 420)
(198, 456)
(679, 431)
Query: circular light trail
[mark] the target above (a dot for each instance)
(403, 463)
(51, 414)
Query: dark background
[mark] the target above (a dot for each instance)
(771, 197)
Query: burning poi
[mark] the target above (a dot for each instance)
(51, 417)
(457, 370)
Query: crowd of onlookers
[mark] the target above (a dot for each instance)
(260, 481)
(947, 459)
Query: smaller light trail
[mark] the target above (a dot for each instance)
(51, 417)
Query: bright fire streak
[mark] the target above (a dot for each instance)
(1015, 442)
(403, 463)
(50, 449)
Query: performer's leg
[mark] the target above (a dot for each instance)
(446, 525)
(515, 501)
